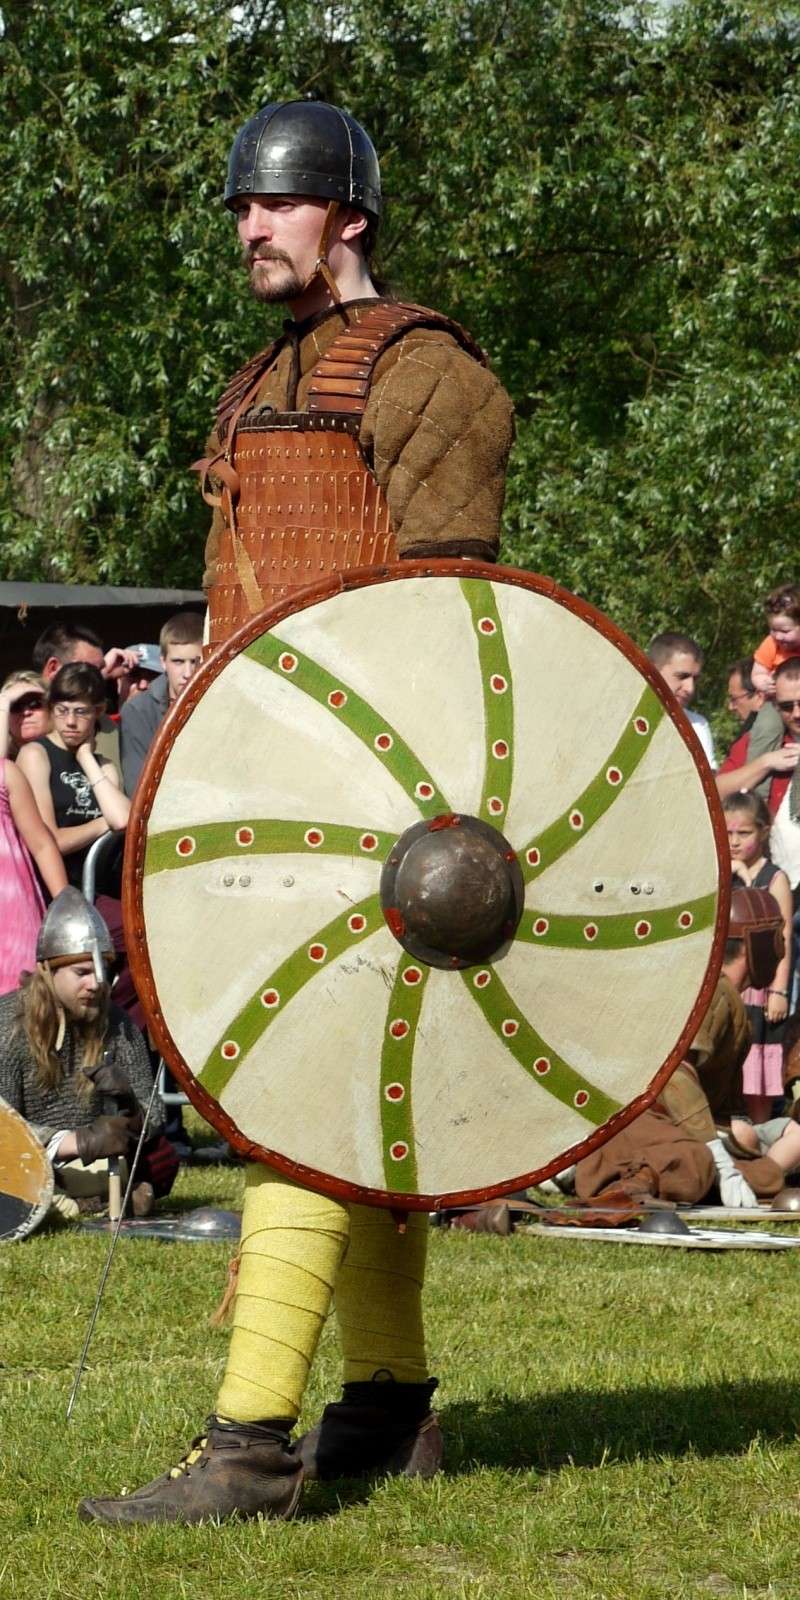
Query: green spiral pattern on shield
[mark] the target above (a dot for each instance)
(182, 849)
(397, 1062)
(356, 713)
(279, 988)
(619, 931)
(498, 700)
(259, 836)
(534, 1055)
(594, 801)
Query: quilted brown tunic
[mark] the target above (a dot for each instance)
(436, 432)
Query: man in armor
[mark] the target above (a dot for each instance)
(370, 430)
(72, 1063)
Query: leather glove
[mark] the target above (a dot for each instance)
(734, 1190)
(111, 1082)
(106, 1136)
(108, 1078)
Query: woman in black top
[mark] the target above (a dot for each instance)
(78, 793)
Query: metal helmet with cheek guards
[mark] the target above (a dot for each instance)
(72, 931)
(756, 918)
(305, 147)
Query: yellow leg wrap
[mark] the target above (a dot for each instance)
(292, 1246)
(379, 1297)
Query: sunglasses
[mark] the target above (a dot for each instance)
(27, 702)
(787, 705)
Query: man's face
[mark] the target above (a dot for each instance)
(80, 651)
(741, 701)
(680, 674)
(787, 700)
(280, 238)
(180, 664)
(78, 990)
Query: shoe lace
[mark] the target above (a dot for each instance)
(191, 1457)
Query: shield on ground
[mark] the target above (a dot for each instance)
(423, 884)
(26, 1177)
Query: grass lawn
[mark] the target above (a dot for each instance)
(620, 1423)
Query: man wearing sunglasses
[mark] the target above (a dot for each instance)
(780, 764)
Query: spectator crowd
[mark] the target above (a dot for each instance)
(76, 726)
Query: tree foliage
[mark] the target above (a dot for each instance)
(604, 194)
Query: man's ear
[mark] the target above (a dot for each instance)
(352, 224)
(51, 667)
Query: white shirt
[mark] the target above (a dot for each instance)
(784, 841)
(706, 737)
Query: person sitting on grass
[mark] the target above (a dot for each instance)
(696, 1139)
(76, 1067)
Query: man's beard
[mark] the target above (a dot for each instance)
(289, 287)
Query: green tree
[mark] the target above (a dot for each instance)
(604, 194)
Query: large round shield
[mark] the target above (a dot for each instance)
(423, 888)
(26, 1177)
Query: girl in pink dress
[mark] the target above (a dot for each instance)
(23, 835)
(748, 822)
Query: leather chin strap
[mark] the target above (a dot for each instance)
(321, 268)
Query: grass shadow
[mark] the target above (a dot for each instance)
(588, 1426)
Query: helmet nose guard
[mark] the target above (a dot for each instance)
(305, 147)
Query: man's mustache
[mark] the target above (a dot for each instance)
(254, 253)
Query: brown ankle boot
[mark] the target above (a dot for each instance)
(377, 1428)
(235, 1469)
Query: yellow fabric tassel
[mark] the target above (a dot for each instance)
(219, 1317)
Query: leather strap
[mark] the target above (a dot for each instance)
(321, 267)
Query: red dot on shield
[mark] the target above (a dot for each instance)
(356, 923)
(541, 1066)
(395, 1091)
(581, 1097)
(487, 626)
(186, 845)
(317, 952)
(398, 1151)
(337, 698)
(399, 1028)
(287, 663)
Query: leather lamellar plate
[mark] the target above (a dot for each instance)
(298, 498)
(307, 506)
